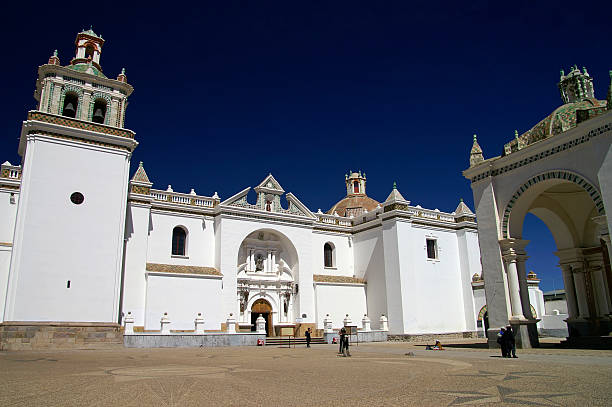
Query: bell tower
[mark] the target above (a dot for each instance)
(69, 234)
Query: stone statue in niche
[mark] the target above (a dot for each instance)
(259, 263)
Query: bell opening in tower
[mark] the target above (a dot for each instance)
(99, 111)
(71, 102)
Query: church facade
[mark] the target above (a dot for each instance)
(85, 242)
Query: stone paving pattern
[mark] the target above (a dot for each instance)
(376, 374)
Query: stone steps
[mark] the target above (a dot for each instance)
(280, 341)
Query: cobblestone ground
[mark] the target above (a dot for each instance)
(393, 374)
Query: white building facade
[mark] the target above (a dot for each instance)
(158, 252)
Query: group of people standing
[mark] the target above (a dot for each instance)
(505, 338)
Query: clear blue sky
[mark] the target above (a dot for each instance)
(227, 92)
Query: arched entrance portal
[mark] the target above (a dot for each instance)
(267, 267)
(263, 308)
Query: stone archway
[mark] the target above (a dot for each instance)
(262, 308)
(570, 207)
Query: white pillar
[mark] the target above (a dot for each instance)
(129, 324)
(199, 324)
(269, 265)
(231, 324)
(261, 325)
(165, 324)
(348, 321)
(570, 291)
(365, 323)
(273, 261)
(512, 249)
(514, 287)
(384, 323)
(327, 325)
(523, 285)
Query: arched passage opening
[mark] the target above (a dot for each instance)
(571, 208)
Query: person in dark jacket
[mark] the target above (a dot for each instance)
(308, 332)
(342, 334)
(510, 342)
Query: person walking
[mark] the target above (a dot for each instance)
(345, 350)
(308, 333)
(342, 334)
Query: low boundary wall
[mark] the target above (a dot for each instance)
(183, 340)
(368, 336)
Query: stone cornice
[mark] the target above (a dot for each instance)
(323, 278)
(178, 269)
(46, 69)
(39, 123)
(541, 149)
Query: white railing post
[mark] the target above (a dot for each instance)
(327, 324)
(165, 323)
(199, 324)
(365, 323)
(129, 324)
(384, 323)
(231, 324)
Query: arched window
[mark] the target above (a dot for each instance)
(328, 255)
(356, 187)
(89, 51)
(71, 102)
(179, 240)
(99, 111)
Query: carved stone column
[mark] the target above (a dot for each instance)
(570, 291)
(510, 252)
(581, 289)
(595, 267)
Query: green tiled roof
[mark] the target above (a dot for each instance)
(85, 68)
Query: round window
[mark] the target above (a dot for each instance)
(77, 198)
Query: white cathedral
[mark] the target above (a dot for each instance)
(83, 244)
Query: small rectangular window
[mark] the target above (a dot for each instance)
(432, 249)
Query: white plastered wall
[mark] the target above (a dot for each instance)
(200, 247)
(134, 281)
(343, 254)
(432, 296)
(183, 297)
(337, 300)
(368, 251)
(57, 241)
(8, 213)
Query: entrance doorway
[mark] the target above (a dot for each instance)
(263, 308)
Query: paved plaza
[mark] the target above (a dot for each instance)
(394, 374)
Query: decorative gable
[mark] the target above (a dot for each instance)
(269, 185)
(269, 194)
